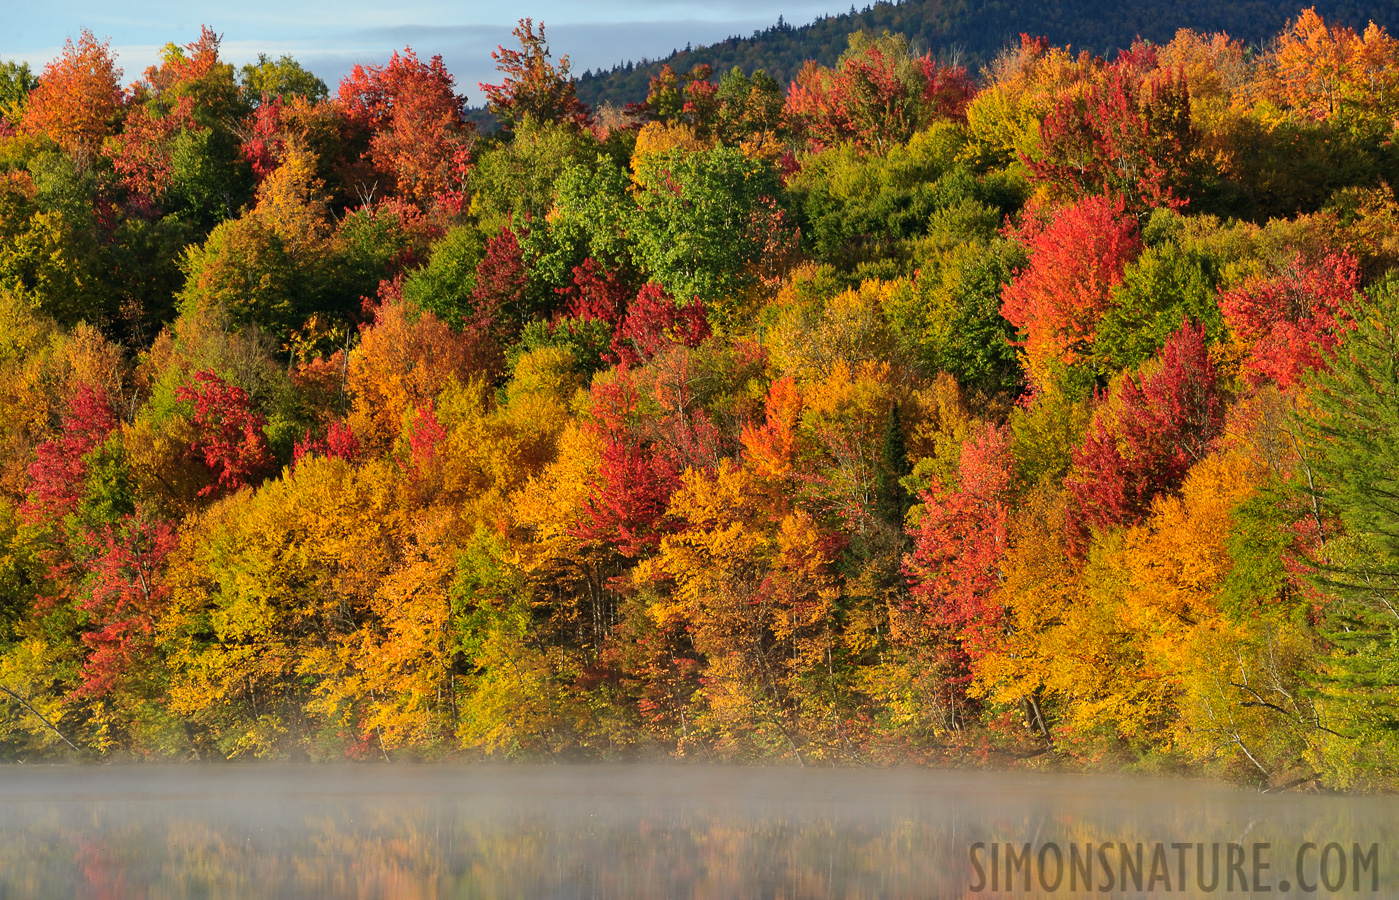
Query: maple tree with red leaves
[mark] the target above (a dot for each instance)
(414, 117)
(877, 95)
(532, 85)
(1291, 321)
(127, 591)
(230, 439)
(654, 321)
(1076, 258)
(958, 544)
(1144, 440)
(1129, 135)
(626, 508)
(57, 474)
(596, 294)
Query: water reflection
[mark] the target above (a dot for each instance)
(560, 832)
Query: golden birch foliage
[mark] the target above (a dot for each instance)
(1236, 682)
(551, 505)
(267, 587)
(809, 338)
(1064, 639)
(758, 599)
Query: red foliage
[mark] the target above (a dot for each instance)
(127, 591)
(179, 71)
(141, 154)
(532, 86)
(231, 441)
(418, 137)
(1291, 321)
(501, 278)
(655, 321)
(595, 294)
(1130, 135)
(58, 472)
(627, 506)
(1142, 444)
(1075, 260)
(692, 99)
(78, 98)
(339, 443)
(875, 98)
(958, 545)
(264, 145)
(424, 436)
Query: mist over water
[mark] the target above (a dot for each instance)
(612, 831)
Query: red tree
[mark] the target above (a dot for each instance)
(1291, 321)
(532, 85)
(627, 506)
(958, 545)
(1146, 438)
(418, 137)
(127, 591)
(230, 438)
(875, 96)
(58, 472)
(655, 321)
(339, 442)
(1075, 260)
(1129, 135)
(595, 294)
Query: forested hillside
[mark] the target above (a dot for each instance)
(974, 33)
(889, 418)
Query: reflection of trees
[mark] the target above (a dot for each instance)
(613, 833)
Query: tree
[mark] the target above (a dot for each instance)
(654, 321)
(1357, 458)
(1076, 259)
(1154, 427)
(229, 433)
(59, 471)
(958, 542)
(1126, 136)
(280, 79)
(1333, 74)
(878, 94)
(418, 137)
(532, 85)
(1291, 321)
(701, 221)
(78, 100)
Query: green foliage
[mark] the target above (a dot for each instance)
(282, 77)
(16, 81)
(445, 284)
(698, 223)
(593, 213)
(210, 180)
(513, 182)
(1165, 286)
(950, 321)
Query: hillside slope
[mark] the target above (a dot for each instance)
(974, 32)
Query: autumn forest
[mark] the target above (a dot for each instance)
(1044, 415)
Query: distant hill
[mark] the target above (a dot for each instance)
(972, 32)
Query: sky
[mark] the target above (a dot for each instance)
(330, 36)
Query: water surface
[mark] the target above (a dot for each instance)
(627, 831)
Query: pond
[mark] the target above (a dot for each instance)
(671, 831)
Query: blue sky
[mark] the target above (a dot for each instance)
(330, 36)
